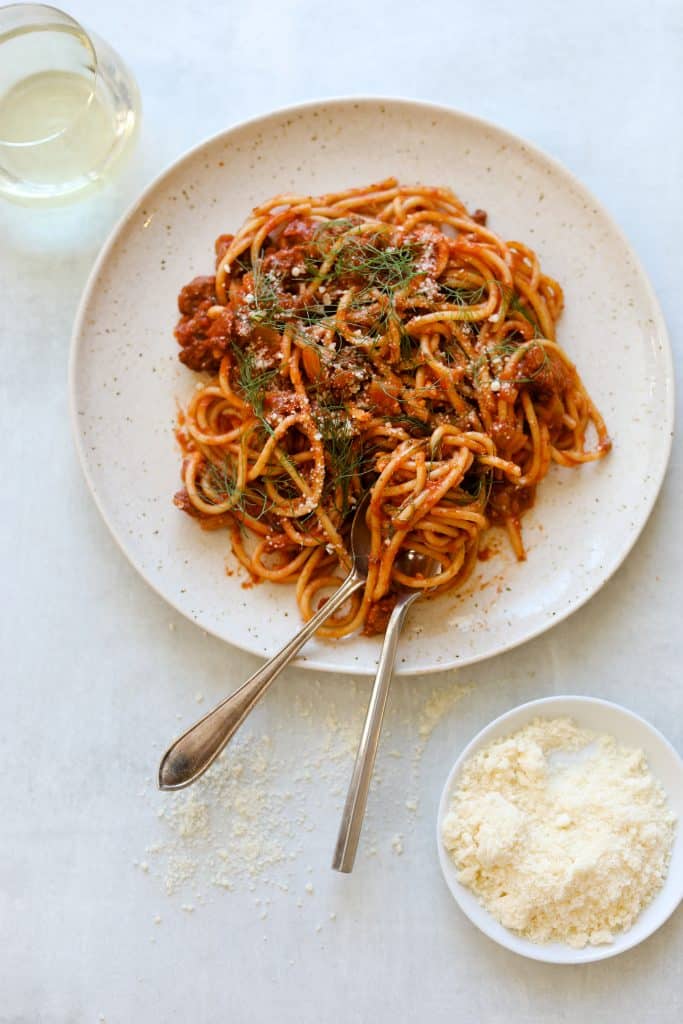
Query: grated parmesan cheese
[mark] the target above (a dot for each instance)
(430, 289)
(557, 847)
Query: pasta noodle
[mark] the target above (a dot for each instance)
(379, 339)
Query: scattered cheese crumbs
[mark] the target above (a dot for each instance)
(171, 627)
(495, 385)
(308, 887)
(144, 866)
(179, 870)
(562, 834)
(438, 705)
(188, 908)
(199, 697)
(247, 820)
(397, 844)
(194, 819)
(157, 919)
(318, 927)
(333, 916)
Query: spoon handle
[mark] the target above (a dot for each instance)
(357, 797)
(192, 753)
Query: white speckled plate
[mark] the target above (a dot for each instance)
(630, 730)
(126, 379)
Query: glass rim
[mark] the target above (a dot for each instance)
(27, 15)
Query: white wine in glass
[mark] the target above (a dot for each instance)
(69, 108)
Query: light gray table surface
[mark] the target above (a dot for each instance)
(98, 672)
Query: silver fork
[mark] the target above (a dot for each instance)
(410, 563)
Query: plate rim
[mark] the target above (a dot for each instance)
(662, 331)
(554, 952)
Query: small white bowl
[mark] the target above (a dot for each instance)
(664, 763)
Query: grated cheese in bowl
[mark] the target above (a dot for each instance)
(561, 833)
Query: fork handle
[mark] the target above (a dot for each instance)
(190, 755)
(357, 797)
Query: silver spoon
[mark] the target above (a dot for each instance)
(192, 753)
(410, 563)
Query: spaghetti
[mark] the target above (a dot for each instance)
(380, 339)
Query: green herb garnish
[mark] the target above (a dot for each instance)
(342, 448)
(222, 481)
(253, 381)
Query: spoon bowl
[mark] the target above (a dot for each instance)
(190, 755)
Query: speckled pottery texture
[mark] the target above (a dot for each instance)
(126, 380)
